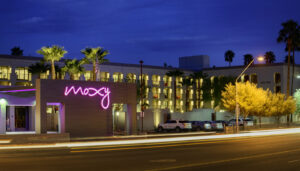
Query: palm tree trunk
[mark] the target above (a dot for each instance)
(292, 84)
(71, 76)
(94, 71)
(52, 70)
(288, 78)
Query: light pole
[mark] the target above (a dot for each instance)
(237, 108)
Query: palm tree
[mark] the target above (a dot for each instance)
(288, 35)
(38, 68)
(247, 59)
(73, 67)
(229, 55)
(95, 56)
(270, 57)
(175, 73)
(187, 82)
(52, 54)
(294, 47)
(16, 51)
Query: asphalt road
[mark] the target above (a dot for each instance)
(277, 152)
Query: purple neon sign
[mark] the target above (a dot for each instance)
(103, 92)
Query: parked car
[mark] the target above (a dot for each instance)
(247, 121)
(201, 125)
(217, 125)
(232, 122)
(176, 125)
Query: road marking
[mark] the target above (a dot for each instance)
(163, 161)
(223, 161)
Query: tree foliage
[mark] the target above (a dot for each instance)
(73, 67)
(38, 68)
(95, 56)
(270, 57)
(52, 54)
(16, 51)
(256, 101)
(229, 55)
(297, 98)
(247, 59)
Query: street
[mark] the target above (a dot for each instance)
(273, 152)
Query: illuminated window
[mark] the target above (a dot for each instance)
(277, 78)
(23, 74)
(145, 79)
(5, 72)
(179, 93)
(104, 76)
(179, 81)
(130, 78)
(118, 77)
(76, 76)
(190, 105)
(156, 103)
(167, 93)
(45, 75)
(155, 80)
(167, 81)
(156, 92)
(88, 76)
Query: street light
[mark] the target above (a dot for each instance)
(237, 109)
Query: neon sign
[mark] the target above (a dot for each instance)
(103, 92)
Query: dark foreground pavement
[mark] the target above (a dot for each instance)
(277, 152)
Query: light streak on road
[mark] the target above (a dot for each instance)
(156, 140)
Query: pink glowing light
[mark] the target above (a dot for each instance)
(103, 92)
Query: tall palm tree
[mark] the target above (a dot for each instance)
(38, 68)
(287, 35)
(73, 67)
(16, 51)
(52, 54)
(270, 57)
(175, 73)
(247, 59)
(229, 55)
(95, 56)
(187, 82)
(294, 47)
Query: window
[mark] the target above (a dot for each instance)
(253, 78)
(130, 78)
(145, 79)
(156, 103)
(245, 78)
(5, 72)
(167, 81)
(155, 80)
(23, 74)
(88, 75)
(45, 75)
(118, 77)
(179, 81)
(156, 92)
(104, 76)
(277, 89)
(277, 79)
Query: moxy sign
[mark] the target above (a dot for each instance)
(103, 92)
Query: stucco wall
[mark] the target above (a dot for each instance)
(83, 115)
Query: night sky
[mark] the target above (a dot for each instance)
(155, 31)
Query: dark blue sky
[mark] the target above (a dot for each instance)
(156, 31)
